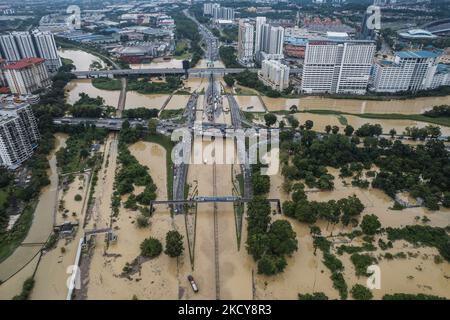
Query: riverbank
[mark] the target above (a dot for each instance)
(39, 232)
(442, 121)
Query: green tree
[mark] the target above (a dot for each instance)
(309, 124)
(270, 119)
(229, 80)
(151, 248)
(152, 125)
(392, 132)
(360, 292)
(313, 296)
(270, 265)
(370, 224)
(282, 238)
(335, 129)
(174, 244)
(349, 130)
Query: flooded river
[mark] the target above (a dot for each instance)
(81, 59)
(407, 106)
(38, 233)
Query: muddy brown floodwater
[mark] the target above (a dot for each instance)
(406, 106)
(40, 230)
(322, 120)
(305, 272)
(81, 59)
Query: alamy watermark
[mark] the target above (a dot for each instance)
(74, 20)
(373, 22)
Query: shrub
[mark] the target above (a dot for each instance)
(359, 292)
(78, 197)
(313, 296)
(174, 244)
(151, 248)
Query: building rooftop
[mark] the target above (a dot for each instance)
(417, 34)
(416, 54)
(24, 63)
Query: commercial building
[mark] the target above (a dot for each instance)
(333, 66)
(27, 75)
(441, 77)
(274, 74)
(409, 71)
(416, 34)
(245, 43)
(19, 134)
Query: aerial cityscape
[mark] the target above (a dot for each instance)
(225, 150)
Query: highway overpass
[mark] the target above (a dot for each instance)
(194, 72)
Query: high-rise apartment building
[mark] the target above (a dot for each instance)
(19, 134)
(223, 13)
(260, 21)
(274, 74)
(27, 75)
(8, 48)
(245, 43)
(268, 39)
(208, 8)
(46, 49)
(22, 45)
(333, 66)
(25, 44)
(410, 71)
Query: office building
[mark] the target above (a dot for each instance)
(409, 71)
(274, 74)
(19, 134)
(27, 75)
(245, 43)
(333, 66)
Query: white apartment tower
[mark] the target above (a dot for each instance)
(245, 43)
(268, 39)
(410, 71)
(208, 8)
(274, 74)
(22, 45)
(27, 75)
(46, 48)
(8, 48)
(19, 134)
(337, 66)
(25, 44)
(223, 13)
(260, 21)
